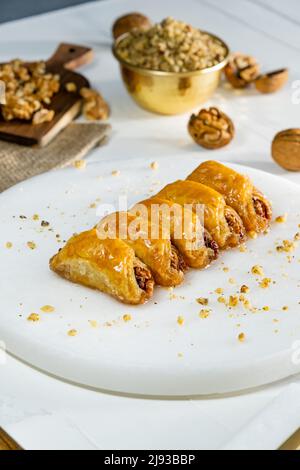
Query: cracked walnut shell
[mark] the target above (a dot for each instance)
(126, 23)
(241, 70)
(272, 81)
(211, 128)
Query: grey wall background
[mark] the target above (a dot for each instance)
(14, 9)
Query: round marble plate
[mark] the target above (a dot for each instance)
(150, 354)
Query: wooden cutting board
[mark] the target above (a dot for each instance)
(65, 59)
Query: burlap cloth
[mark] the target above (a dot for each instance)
(17, 162)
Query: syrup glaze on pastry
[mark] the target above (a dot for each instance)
(222, 222)
(252, 206)
(159, 254)
(185, 231)
(107, 265)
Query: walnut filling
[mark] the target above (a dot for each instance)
(261, 208)
(211, 245)
(177, 262)
(144, 279)
(235, 224)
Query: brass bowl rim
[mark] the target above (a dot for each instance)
(152, 72)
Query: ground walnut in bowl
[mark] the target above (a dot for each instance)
(172, 67)
(171, 46)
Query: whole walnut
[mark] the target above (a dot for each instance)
(211, 128)
(241, 70)
(128, 22)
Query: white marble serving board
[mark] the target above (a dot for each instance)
(151, 354)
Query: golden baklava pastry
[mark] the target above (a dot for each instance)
(160, 255)
(221, 221)
(110, 266)
(184, 228)
(252, 206)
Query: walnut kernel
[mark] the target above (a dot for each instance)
(211, 128)
(241, 70)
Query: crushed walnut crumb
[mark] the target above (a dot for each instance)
(281, 219)
(35, 217)
(242, 337)
(31, 245)
(219, 290)
(72, 332)
(204, 313)
(221, 300)
(244, 289)
(266, 308)
(202, 301)
(8, 245)
(233, 300)
(33, 317)
(116, 173)
(127, 317)
(47, 309)
(180, 320)
(154, 165)
(243, 248)
(93, 323)
(265, 283)
(247, 304)
(285, 308)
(287, 246)
(79, 164)
(258, 270)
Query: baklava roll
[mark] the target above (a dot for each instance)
(251, 205)
(221, 221)
(110, 266)
(185, 229)
(160, 255)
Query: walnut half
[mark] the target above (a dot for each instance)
(211, 128)
(241, 70)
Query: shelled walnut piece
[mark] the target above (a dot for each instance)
(94, 106)
(129, 22)
(241, 70)
(211, 128)
(28, 90)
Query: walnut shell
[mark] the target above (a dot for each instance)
(241, 70)
(286, 149)
(211, 128)
(272, 81)
(128, 22)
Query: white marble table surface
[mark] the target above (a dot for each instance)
(42, 412)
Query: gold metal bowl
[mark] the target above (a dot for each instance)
(170, 92)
